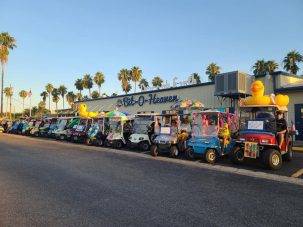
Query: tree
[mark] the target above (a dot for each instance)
(212, 70)
(143, 84)
(259, 67)
(56, 97)
(99, 80)
(88, 83)
(23, 95)
(79, 85)
(136, 75)
(271, 66)
(7, 92)
(95, 94)
(291, 60)
(6, 42)
(44, 95)
(49, 88)
(157, 82)
(79, 96)
(197, 77)
(124, 77)
(127, 88)
(62, 90)
(71, 97)
(114, 94)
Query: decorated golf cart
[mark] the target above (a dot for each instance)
(98, 131)
(212, 132)
(65, 128)
(120, 128)
(79, 135)
(263, 132)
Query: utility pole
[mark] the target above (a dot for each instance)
(29, 94)
(10, 101)
(14, 113)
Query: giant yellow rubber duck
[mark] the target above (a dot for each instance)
(83, 111)
(258, 97)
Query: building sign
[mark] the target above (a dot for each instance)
(191, 80)
(150, 99)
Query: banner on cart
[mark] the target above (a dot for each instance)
(149, 99)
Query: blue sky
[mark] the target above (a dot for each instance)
(60, 41)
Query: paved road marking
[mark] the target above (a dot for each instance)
(298, 173)
(201, 165)
(297, 148)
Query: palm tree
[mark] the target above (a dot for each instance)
(62, 90)
(259, 67)
(71, 97)
(56, 97)
(271, 66)
(124, 77)
(79, 85)
(6, 42)
(99, 80)
(88, 83)
(49, 88)
(212, 70)
(136, 75)
(127, 88)
(197, 77)
(291, 60)
(44, 95)
(7, 93)
(23, 95)
(157, 81)
(95, 94)
(143, 84)
(79, 96)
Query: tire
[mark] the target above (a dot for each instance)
(144, 146)
(237, 155)
(289, 155)
(75, 139)
(100, 142)
(154, 150)
(174, 151)
(62, 137)
(272, 159)
(118, 144)
(190, 154)
(88, 141)
(211, 156)
(36, 134)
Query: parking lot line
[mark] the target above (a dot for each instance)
(298, 173)
(297, 148)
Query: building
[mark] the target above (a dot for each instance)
(225, 92)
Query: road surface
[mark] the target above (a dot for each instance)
(50, 183)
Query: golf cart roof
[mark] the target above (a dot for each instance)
(280, 108)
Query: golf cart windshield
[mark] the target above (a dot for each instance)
(141, 125)
(115, 126)
(81, 126)
(62, 124)
(258, 118)
(37, 123)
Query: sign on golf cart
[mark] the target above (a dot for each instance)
(250, 150)
(165, 130)
(255, 125)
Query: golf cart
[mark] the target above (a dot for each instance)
(64, 126)
(142, 133)
(35, 130)
(119, 131)
(212, 132)
(258, 137)
(80, 133)
(167, 134)
(49, 124)
(98, 132)
(71, 127)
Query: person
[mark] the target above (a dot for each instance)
(127, 130)
(174, 127)
(281, 127)
(185, 126)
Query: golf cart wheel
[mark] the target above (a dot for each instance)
(88, 142)
(190, 153)
(272, 159)
(118, 144)
(144, 146)
(174, 151)
(210, 156)
(237, 155)
(154, 150)
(62, 137)
(75, 139)
(289, 155)
(36, 134)
(100, 142)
